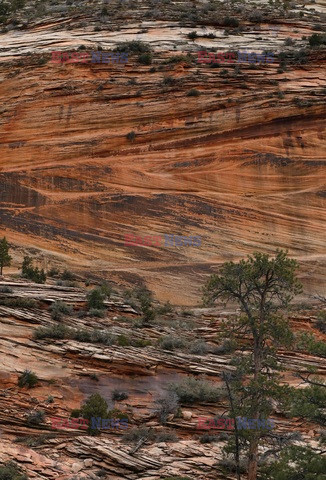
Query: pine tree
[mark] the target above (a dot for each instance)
(262, 287)
(5, 258)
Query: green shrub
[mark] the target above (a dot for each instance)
(306, 341)
(36, 418)
(95, 406)
(207, 438)
(133, 46)
(58, 332)
(10, 470)
(75, 413)
(164, 309)
(95, 299)
(230, 22)
(123, 341)
(145, 58)
(59, 308)
(315, 39)
(193, 93)
(21, 302)
(118, 395)
(321, 321)
(28, 379)
(53, 272)
(168, 437)
(198, 347)
(116, 413)
(131, 136)
(166, 405)
(34, 274)
(95, 312)
(193, 390)
(169, 81)
(294, 463)
(6, 289)
(67, 275)
(50, 399)
(192, 35)
(171, 342)
(137, 434)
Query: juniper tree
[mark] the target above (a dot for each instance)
(263, 287)
(5, 258)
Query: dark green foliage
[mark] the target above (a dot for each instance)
(20, 302)
(11, 471)
(36, 418)
(34, 274)
(137, 434)
(321, 321)
(95, 299)
(296, 463)
(95, 406)
(309, 403)
(5, 258)
(193, 93)
(198, 347)
(56, 331)
(67, 275)
(118, 395)
(316, 39)
(104, 11)
(230, 22)
(95, 312)
(164, 309)
(6, 289)
(193, 390)
(35, 441)
(131, 136)
(192, 35)
(134, 46)
(207, 438)
(306, 341)
(169, 81)
(145, 58)
(75, 413)
(172, 342)
(145, 300)
(53, 272)
(59, 308)
(28, 379)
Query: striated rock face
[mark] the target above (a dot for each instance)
(69, 371)
(242, 165)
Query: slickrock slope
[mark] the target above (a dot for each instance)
(242, 165)
(71, 370)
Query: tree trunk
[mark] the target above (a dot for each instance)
(1, 269)
(253, 459)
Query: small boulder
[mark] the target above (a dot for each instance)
(76, 467)
(186, 414)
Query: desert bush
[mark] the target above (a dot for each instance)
(102, 336)
(95, 312)
(179, 59)
(36, 418)
(145, 58)
(133, 46)
(95, 299)
(95, 406)
(118, 395)
(228, 346)
(171, 342)
(50, 399)
(138, 434)
(34, 441)
(315, 39)
(131, 136)
(193, 93)
(198, 347)
(53, 272)
(165, 405)
(34, 274)
(306, 341)
(27, 379)
(164, 309)
(11, 471)
(67, 275)
(21, 302)
(229, 466)
(289, 42)
(192, 35)
(207, 438)
(230, 22)
(58, 332)
(193, 390)
(168, 437)
(6, 289)
(59, 308)
(169, 81)
(321, 321)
